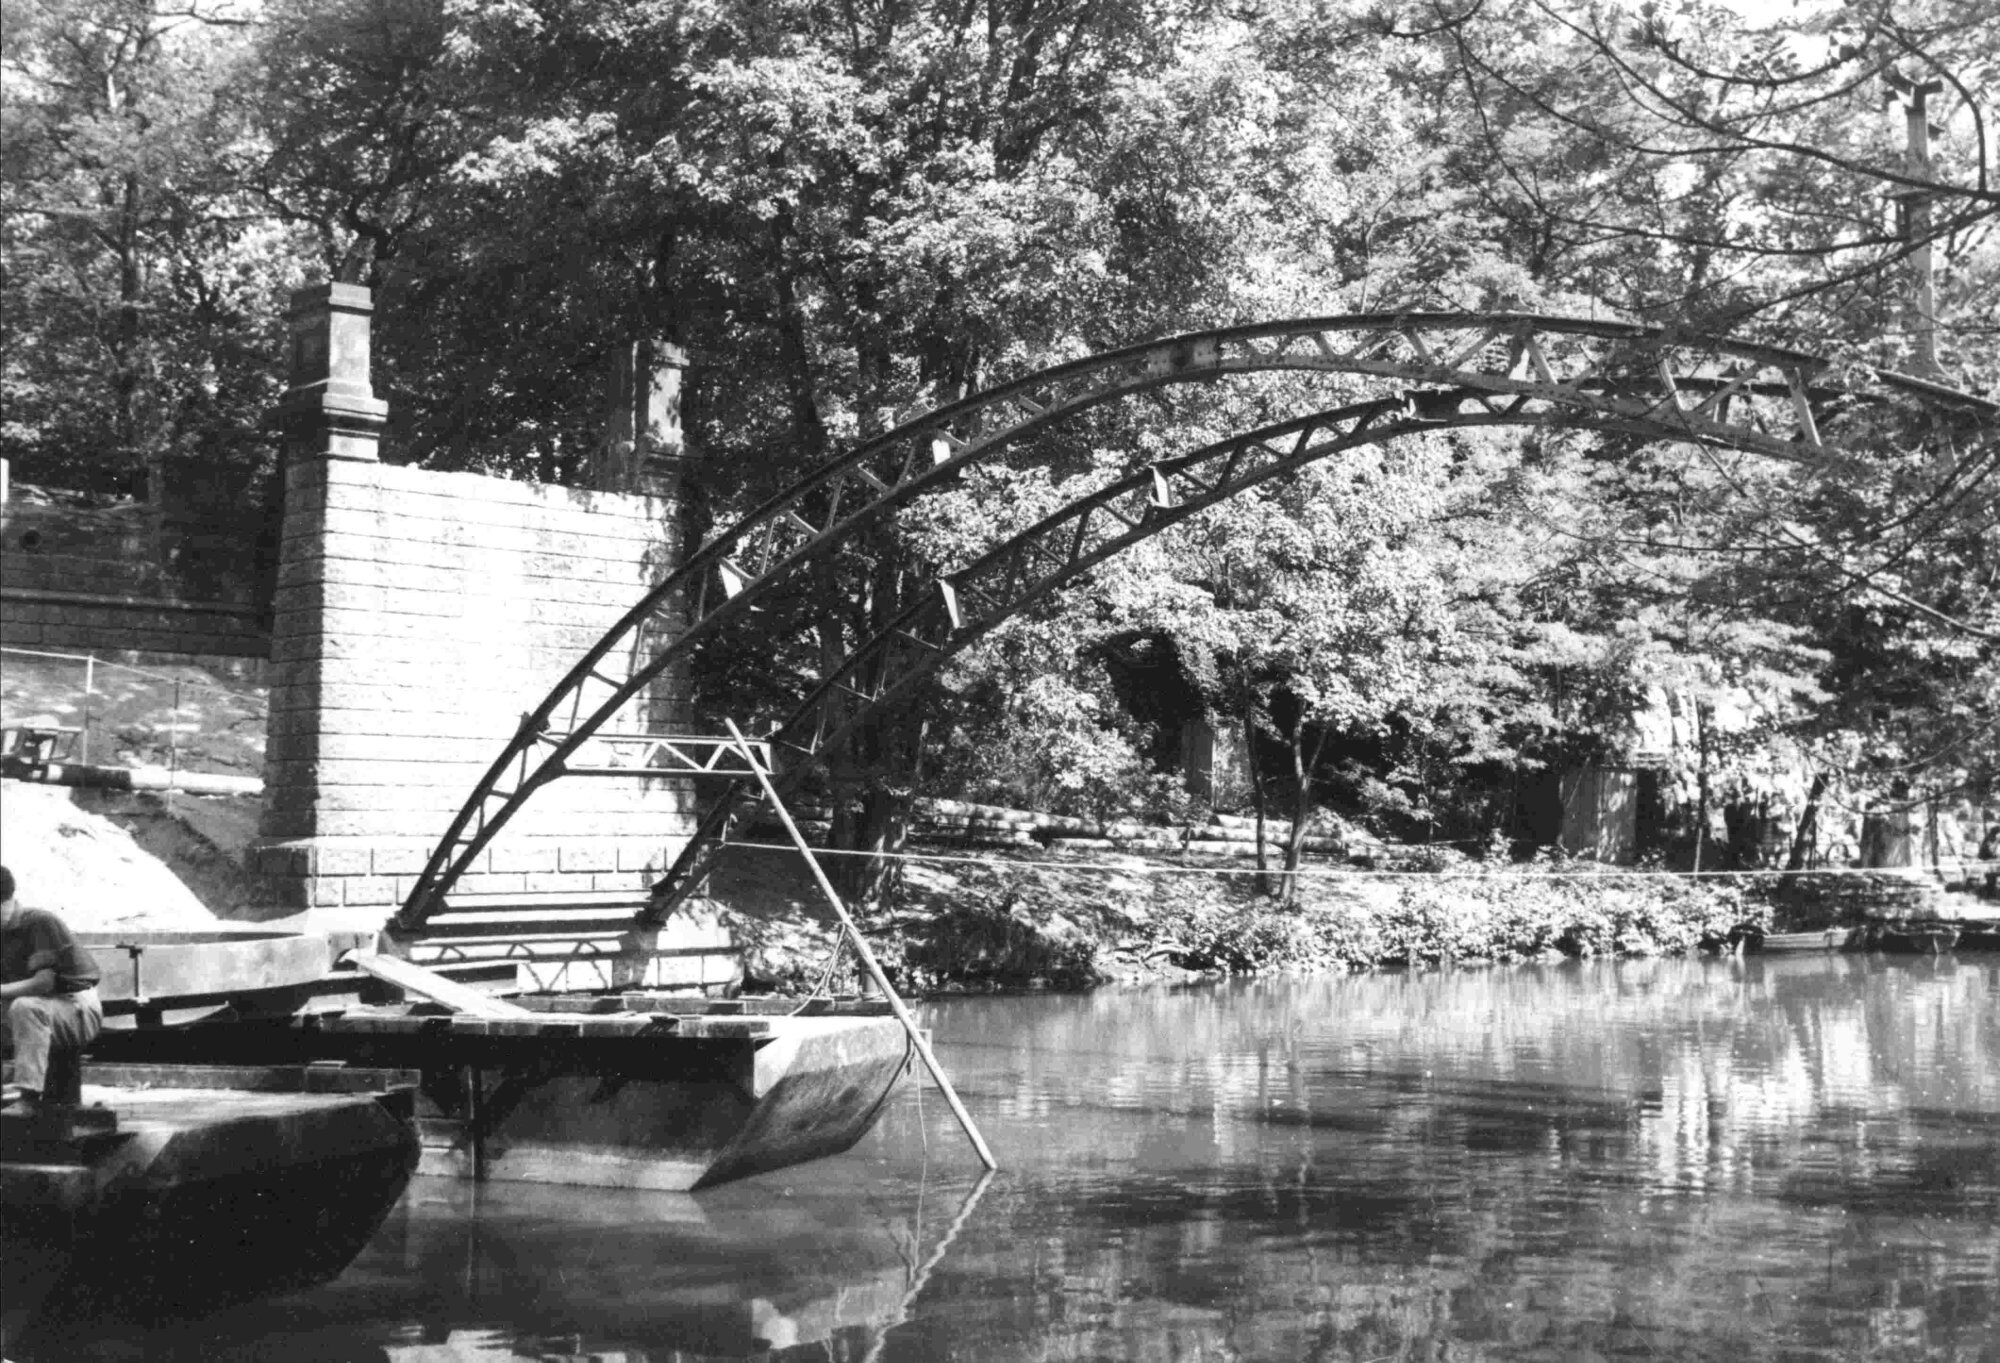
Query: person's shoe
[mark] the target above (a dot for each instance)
(13, 1095)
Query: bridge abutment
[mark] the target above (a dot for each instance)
(417, 613)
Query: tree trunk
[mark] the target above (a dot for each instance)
(127, 366)
(881, 830)
(1302, 770)
(1808, 830)
(877, 820)
(797, 349)
(1701, 782)
(1256, 794)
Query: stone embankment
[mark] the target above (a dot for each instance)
(981, 825)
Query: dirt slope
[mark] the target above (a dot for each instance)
(112, 860)
(87, 864)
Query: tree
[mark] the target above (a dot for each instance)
(850, 213)
(1709, 171)
(139, 276)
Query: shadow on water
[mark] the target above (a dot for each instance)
(465, 1273)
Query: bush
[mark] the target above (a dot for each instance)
(994, 934)
(1231, 928)
(1065, 928)
(1506, 916)
(1522, 915)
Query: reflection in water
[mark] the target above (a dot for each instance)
(1794, 1158)
(510, 1271)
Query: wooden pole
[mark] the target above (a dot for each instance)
(868, 961)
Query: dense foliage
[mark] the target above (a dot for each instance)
(1063, 925)
(847, 210)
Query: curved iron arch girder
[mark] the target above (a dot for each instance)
(1669, 385)
(979, 597)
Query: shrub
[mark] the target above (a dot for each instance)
(1507, 916)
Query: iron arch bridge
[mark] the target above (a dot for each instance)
(1390, 375)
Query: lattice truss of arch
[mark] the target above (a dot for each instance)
(1394, 374)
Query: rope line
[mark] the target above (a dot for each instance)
(140, 671)
(1346, 873)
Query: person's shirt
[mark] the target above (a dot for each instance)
(38, 941)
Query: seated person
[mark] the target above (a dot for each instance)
(48, 985)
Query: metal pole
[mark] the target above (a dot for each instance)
(174, 742)
(89, 680)
(475, 1119)
(861, 950)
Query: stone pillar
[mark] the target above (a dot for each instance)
(643, 452)
(643, 445)
(417, 613)
(329, 414)
(330, 411)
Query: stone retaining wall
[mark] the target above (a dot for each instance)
(127, 581)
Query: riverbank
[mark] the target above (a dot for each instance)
(980, 918)
(1005, 919)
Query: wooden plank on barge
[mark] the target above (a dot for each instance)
(414, 979)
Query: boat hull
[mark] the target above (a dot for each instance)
(206, 1193)
(1823, 939)
(1926, 938)
(813, 1087)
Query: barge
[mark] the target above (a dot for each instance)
(1918, 937)
(633, 1091)
(1921, 937)
(170, 1191)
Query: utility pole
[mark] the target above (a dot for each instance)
(1915, 214)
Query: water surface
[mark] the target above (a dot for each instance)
(1793, 1158)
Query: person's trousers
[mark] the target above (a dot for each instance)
(46, 1034)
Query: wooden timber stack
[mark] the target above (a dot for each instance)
(968, 823)
(1813, 900)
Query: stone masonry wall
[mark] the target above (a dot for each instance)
(122, 580)
(419, 614)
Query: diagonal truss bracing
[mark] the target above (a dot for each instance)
(1485, 369)
(1043, 560)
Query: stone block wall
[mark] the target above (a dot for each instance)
(418, 615)
(125, 580)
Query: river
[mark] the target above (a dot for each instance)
(1787, 1158)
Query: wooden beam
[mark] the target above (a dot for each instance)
(428, 984)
